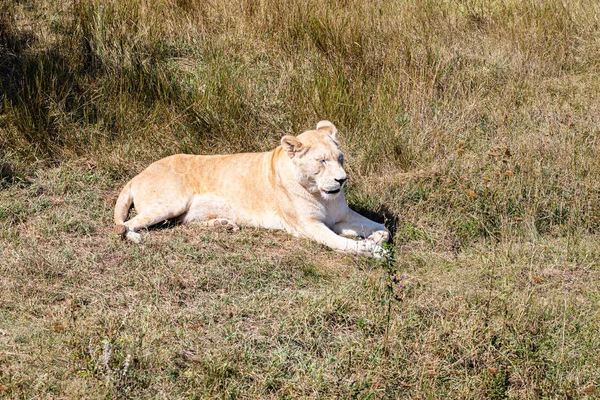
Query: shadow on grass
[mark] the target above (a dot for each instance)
(381, 214)
(8, 176)
(38, 86)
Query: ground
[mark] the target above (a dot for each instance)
(196, 312)
(471, 128)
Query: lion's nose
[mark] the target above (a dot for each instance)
(341, 181)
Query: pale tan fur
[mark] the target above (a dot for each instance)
(298, 187)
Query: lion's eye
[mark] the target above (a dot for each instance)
(341, 159)
(322, 160)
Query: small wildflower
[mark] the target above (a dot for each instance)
(126, 365)
(471, 194)
(104, 359)
(509, 173)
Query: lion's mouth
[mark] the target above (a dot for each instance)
(333, 191)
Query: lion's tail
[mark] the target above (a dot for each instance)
(122, 209)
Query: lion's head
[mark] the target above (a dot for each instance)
(317, 160)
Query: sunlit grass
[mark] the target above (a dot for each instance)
(471, 127)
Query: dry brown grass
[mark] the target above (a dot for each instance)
(471, 126)
(201, 313)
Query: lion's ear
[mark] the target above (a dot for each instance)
(329, 128)
(291, 145)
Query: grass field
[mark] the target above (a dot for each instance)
(471, 128)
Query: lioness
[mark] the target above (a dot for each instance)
(298, 187)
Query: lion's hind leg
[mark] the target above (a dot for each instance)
(150, 215)
(210, 211)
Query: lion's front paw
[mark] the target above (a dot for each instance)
(379, 237)
(380, 253)
(374, 250)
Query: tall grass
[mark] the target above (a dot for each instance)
(481, 114)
